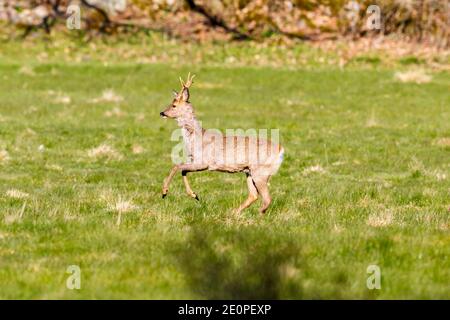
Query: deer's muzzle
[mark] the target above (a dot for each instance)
(162, 114)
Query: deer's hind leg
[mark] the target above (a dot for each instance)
(261, 183)
(252, 195)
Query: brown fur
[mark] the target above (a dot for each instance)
(209, 150)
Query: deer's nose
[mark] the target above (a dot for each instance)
(162, 114)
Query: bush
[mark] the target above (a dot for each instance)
(425, 20)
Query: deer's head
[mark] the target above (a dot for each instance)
(180, 105)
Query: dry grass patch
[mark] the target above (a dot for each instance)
(4, 156)
(26, 70)
(117, 204)
(443, 142)
(115, 112)
(54, 167)
(417, 166)
(137, 149)
(140, 117)
(108, 96)
(414, 76)
(372, 121)
(121, 206)
(62, 99)
(379, 220)
(17, 194)
(314, 169)
(439, 175)
(104, 151)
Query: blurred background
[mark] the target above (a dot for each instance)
(424, 21)
(272, 32)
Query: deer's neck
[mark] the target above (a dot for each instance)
(190, 127)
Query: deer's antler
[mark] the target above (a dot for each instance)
(189, 81)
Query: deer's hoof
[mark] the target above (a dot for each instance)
(164, 195)
(196, 198)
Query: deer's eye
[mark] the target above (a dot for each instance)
(174, 106)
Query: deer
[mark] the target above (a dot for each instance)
(210, 150)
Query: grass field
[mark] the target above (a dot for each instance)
(365, 181)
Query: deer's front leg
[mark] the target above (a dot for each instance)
(167, 181)
(188, 187)
(184, 169)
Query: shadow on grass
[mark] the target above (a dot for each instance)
(239, 264)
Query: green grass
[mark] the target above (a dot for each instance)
(379, 194)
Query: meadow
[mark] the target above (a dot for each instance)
(83, 154)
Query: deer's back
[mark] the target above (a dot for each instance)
(240, 153)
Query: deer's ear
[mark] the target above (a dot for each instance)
(185, 94)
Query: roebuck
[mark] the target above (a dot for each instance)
(209, 150)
